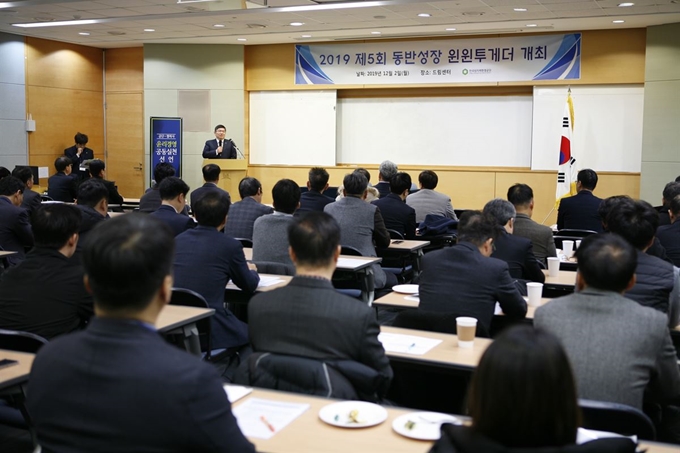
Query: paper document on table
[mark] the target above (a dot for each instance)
(584, 435)
(236, 392)
(264, 282)
(262, 419)
(407, 344)
(350, 263)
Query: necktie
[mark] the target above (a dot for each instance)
(219, 143)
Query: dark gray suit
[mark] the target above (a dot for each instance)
(242, 215)
(204, 189)
(540, 236)
(32, 201)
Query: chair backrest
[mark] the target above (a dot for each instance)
(15, 340)
(433, 322)
(189, 298)
(272, 267)
(575, 233)
(617, 418)
(348, 250)
(245, 242)
(46, 198)
(394, 234)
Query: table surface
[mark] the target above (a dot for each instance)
(174, 316)
(131, 200)
(15, 374)
(407, 245)
(564, 278)
(362, 261)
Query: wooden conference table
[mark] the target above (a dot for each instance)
(565, 279)
(15, 375)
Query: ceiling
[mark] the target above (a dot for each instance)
(122, 23)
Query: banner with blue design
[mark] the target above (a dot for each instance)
(524, 58)
(166, 143)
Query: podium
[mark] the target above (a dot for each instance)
(232, 171)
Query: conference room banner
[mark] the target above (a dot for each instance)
(166, 143)
(524, 58)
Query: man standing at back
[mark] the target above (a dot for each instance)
(398, 216)
(79, 152)
(220, 147)
(427, 201)
(522, 198)
(270, 232)
(314, 199)
(118, 386)
(173, 199)
(15, 229)
(580, 211)
(243, 213)
(211, 176)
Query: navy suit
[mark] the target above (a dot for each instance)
(669, 237)
(177, 222)
(72, 153)
(114, 196)
(580, 212)
(383, 188)
(519, 254)
(313, 201)
(118, 386)
(204, 189)
(32, 201)
(228, 149)
(205, 260)
(62, 187)
(242, 216)
(397, 215)
(151, 200)
(15, 230)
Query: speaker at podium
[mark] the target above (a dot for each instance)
(232, 171)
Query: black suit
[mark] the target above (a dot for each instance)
(669, 236)
(518, 253)
(397, 215)
(151, 200)
(31, 201)
(383, 188)
(177, 222)
(72, 153)
(62, 187)
(228, 149)
(15, 230)
(118, 386)
(580, 212)
(204, 189)
(313, 201)
(114, 196)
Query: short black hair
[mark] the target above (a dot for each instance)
(62, 163)
(54, 224)
(212, 208)
(4, 172)
(96, 167)
(126, 260)
(286, 195)
(400, 182)
(476, 227)
(428, 179)
(671, 190)
(81, 139)
(364, 172)
(501, 211)
(520, 195)
(674, 206)
(355, 184)
(24, 174)
(318, 178)
(677, 179)
(606, 261)
(162, 170)
(314, 237)
(220, 126)
(211, 172)
(608, 204)
(172, 187)
(9, 185)
(91, 192)
(248, 187)
(636, 222)
(587, 178)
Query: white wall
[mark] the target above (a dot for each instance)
(14, 142)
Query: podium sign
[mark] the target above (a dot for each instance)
(166, 143)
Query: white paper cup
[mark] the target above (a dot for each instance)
(568, 248)
(553, 266)
(466, 328)
(577, 244)
(535, 292)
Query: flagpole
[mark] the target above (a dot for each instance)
(546, 217)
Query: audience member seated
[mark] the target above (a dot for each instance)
(15, 229)
(464, 279)
(118, 386)
(4, 172)
(314, 199)
(372, 193)
(619, 349)
(427, 201)
(32, 199)
(669, 235)
(211, 176)
(396, 213)
(173, 200)
(151, 200)
(361, 223)
(580, 211)
(522, 198)
(386, 170)
(514, 250)
(98, 171)
(93, 203)
(62, 185)
(309, 318)
(523, 398)
(205, 260)
(670, 191)
(270, 232)
(243, 214)
(45, 294)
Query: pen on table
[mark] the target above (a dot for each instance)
(266, 422)
(413, 345)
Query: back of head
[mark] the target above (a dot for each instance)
(54, 224)
(523, 393)
(476, 227)
(355, 184)
(81, 139)
(211, 209)
(91, 192)
(636, 222)
(96, 167)
(24, 174)
(364, 172)
(9, 185)
(163, 170)
(501, 211)
(286, 195)
(4, 172)
(609, 204)
(674, 206)
(62, 163)
(249, 187)
(671, 190)
(400, 182)
(520, 195)
(428, 179)
(126, 260)
(314, 237)
(387, 169)
(211, 172)
(318, 178)
(606, 261)
(172, 187)
(587, 178)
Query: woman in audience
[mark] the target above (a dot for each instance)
(372, 192)
(523, 398)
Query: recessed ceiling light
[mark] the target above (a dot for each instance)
(241, 39)
(531, 25)
(375, 32)
(519, 10)
(619, 21)
(149, 29)
(450, 29)
(623, 5)
(297, 24)
(424, 15)
(306, 36)
(219, 25)
(84, 33)
(57, 23)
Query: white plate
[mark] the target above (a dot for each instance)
(337, 414)
(426, 425)
(405, 289)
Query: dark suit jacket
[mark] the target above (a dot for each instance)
(205, 260)
(178, 222)
(461, 280)
(151, 200)
(383, 188)
(518, 253)
(118, 386)
(309, 318)
(72, 153)
(313, 201)
(62, 187)
(204, 189)
(242, 215)
(31, 201)
(15, 230)
(44, 295)
(114, 196)
(580, 212)
(228, 149)
(397, 215)
(669, 236)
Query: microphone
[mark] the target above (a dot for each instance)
(239, 154)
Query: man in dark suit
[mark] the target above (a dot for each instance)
(97, 170)
(670, 191)
(308, 317)
(118, 386)
(211, 176)
(15, 229)
(314, 199)
(93, 203)
(396, 213)
(242, 214)
(45, 294)
(62, 185)
(220, 147)
(32, 199)
(386, 170)
(173, 199)
(669, 235)
(151, 200)
(79, 153)
(205, 260)
(465, 280)
(580, 211)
